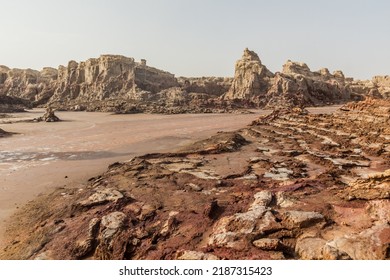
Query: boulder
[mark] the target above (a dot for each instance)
(101, 196)
(267, 243)
(49, 116)
(300, 219)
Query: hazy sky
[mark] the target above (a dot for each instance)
(198, 37)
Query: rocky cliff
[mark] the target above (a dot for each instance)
(27, 83)
(104, 78)
(377, 87)
(295, 85)
(118, 83)
(251, 78)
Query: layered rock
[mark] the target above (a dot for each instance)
(309, 88)
(377, 87)
(118, 83)
(28, 84)
(296, 85)
(210, 86)
(49, 116)
(107, 77)
(251, 78)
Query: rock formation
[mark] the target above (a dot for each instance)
(296, 85)
(28, 84)
(49, 116)
(212, 86)
(251, 78)
(109, 77)
(119, 84)
(378, 87)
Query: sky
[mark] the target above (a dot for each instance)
(199, 37)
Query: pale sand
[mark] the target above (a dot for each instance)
(82, 146)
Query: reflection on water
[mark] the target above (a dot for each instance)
(11, 157)
(12, 161)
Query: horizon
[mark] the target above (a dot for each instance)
(167, 70)
(199, 38)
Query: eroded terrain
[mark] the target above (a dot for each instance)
(291, 185)
(38, 156)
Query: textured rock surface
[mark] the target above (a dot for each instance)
(28, 84)
(208, 86)
(296, 85)
(109, 77)
(103, 78)
(251, 78)
(49, 116)
(377, 87)
(376, 186)
(119, 84)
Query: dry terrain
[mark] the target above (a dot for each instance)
(290, 185)
(43, 156)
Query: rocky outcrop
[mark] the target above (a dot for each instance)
(107, 77)
(296, 85)
(33, 85)
(49, 116)
(209, 86)
(300, 86)
(251, 78)
(120, 84)
(377, 87)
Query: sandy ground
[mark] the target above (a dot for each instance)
(45, 156)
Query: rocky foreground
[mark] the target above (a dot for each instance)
(114, 83)
(291, 185)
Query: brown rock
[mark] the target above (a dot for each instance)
(300, 219)
(195, 255)
(310, 248)
(49, 116)
(250, 77)
(101, 196)
(263, 198)
(376, 186)
(267, 243)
